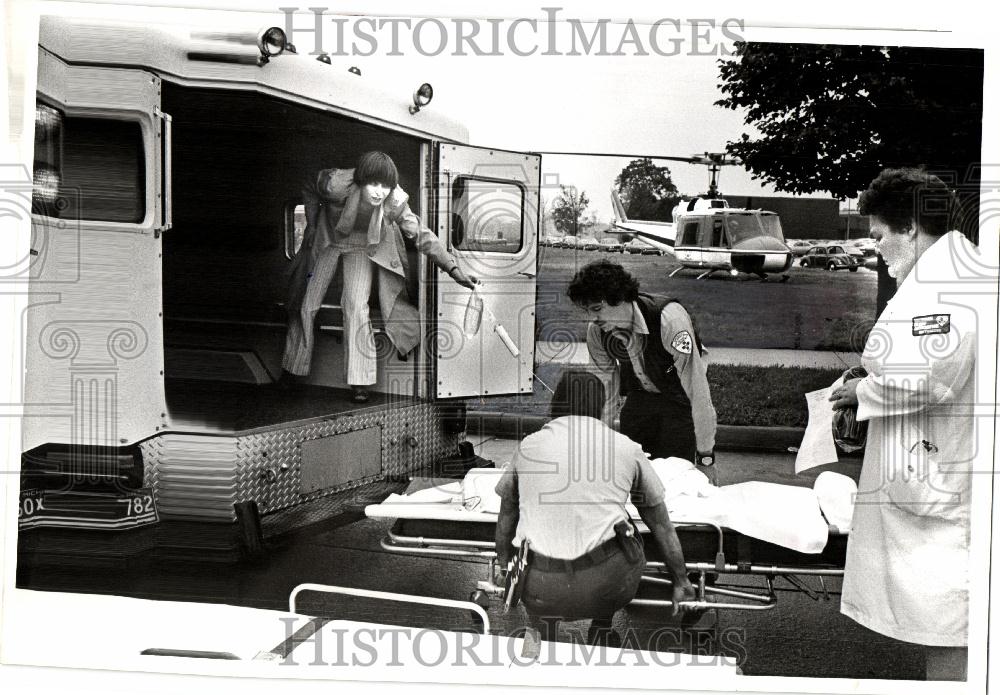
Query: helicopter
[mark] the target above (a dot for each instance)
(710, 236)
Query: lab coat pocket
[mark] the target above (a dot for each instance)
(918, 482)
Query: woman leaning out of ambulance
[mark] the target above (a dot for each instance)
(357, 218)
(907, 558)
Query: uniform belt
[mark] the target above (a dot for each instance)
(594, 557)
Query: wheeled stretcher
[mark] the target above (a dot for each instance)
(713, 552)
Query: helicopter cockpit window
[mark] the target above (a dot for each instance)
(742, 227)
(689, 237)
(487, 215)
(771, 225)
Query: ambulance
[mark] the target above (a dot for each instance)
(167, 212)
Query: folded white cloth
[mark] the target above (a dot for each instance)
(836, 493)
(479, 490)
(785, 515)
(681, 477)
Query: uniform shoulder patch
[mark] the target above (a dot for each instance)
(682, 342)
(931, 324)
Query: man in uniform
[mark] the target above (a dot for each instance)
(648, 348)
(564, 494)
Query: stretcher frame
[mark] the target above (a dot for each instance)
(710, 595)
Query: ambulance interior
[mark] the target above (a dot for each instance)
(239, 160)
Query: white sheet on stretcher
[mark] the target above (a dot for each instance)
(785, 515)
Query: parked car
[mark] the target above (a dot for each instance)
(590, 244)
(829, 257)
(641, 247)
(570, 242)
(865, 257)
(799, 247)
(612, 246)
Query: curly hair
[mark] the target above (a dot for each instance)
(376, 167)
(902, 197)
(603, 281)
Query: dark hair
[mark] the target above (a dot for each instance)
(902, 197)
(579, 393)
(376, 167)
(603, 281)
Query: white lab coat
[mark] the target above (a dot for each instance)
(907, 557)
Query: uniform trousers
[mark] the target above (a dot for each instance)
(593, 592)
(661, 425)
(359, 339)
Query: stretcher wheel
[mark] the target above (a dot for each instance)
(480, 598)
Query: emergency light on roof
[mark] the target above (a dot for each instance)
(270, 42)
(422, 97)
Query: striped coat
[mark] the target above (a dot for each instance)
(331, 203)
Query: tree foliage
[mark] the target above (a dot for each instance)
(568, 209)
(646, 190)
(830, 118)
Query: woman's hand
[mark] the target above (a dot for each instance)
(466, 281)
(845, 396)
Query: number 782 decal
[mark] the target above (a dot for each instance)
(94, 510)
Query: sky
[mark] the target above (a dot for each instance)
(632, 104)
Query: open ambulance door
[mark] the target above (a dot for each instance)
(488, 213)
(94, 347)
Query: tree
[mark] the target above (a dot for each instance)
(568, 208)
(831, 118)
(646, 190)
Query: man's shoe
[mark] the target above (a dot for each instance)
(360, 394)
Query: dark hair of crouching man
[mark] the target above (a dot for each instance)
(564, 493)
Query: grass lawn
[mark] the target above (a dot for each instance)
(815, 310)
(761, 396)
(765, 396)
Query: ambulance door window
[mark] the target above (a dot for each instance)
(89, 168)
(487, 215)
(295, 227)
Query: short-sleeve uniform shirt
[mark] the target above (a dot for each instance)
(572, 480)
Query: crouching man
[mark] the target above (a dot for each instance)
(564, 494)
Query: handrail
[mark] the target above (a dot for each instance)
(390, 596)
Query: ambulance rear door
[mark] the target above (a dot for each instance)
(94, 351)
(488, 213)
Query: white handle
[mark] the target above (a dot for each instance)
(502, 332)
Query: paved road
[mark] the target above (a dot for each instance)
(800, 637)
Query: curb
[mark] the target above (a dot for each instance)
(782, 440)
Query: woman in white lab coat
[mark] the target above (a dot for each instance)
(907, 557)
